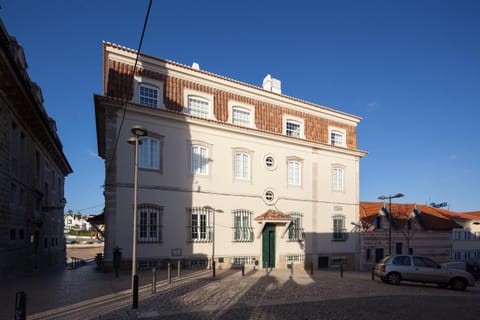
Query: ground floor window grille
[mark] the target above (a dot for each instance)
(147, 264)
(199, 228)
(149, 223)
(243, 260)
(295, 231)
(339, 231)
(242, 228)
(198, 263)
(295, 258)
(337, 261)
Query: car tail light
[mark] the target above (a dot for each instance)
(382, 268)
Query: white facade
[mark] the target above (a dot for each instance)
(466, 241)
(245, 151)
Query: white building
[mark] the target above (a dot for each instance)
(76, 222)
(465, 241)
(274, 178)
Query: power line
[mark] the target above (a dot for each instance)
(125, 101)
(92, 207)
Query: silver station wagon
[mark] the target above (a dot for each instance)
(393, 269)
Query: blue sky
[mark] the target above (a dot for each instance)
(410, 69)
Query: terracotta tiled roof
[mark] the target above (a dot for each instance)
(114, 45)
(273, 215)
(473, 213)
(431, 218)
(459, 215)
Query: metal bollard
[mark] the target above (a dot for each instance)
(311, 268)
(373, 273)
(341, 270)
(178, 269)
(154, 280)
(21, 306)
(169, 274)
(135, 292)
(243, 270)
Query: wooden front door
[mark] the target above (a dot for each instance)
(268, 246)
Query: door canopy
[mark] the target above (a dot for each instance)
(275, 217)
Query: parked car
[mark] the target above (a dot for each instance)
(396, 268)
(474, 269)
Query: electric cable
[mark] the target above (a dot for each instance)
(125, 101)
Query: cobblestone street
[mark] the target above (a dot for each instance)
(88, 294)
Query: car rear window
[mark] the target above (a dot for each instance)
(402, 261)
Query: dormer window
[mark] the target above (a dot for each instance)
(148, 95)
(293, 129)
(198, 107)
(198, 104)
(241, 117)
(337, 137)
(148, 92)
(241, 114)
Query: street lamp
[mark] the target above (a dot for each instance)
(138, 132)
(398, 195)
(209, 208)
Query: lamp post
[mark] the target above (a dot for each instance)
(398, 195)
(213, 210)
(138, 132)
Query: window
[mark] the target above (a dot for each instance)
(402, 261)
(337, 137)
(242, 165)
(37, 163)
(295, 231)
(13, 194)
(269, 196)
(398, 248)
(241, 117)
(294, 172)
(148, 95)
(13, 233)
(199, 161)
(149, 153)
(149, 223)
(458, 235)
(337, 179)
(425, 263)
(270, 162)
(378, 222)
(293, 128)
(242, 228)
(199, 224)
(199, 107)
(339, 231)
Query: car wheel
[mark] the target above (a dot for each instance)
(393, 278)
(458, 284)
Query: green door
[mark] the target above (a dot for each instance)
(268, 246)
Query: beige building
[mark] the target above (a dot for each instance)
(242, 173)
(32, 170)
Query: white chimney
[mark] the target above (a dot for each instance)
(195, 66)
(272, 84)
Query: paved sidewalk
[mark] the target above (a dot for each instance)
(87, 294)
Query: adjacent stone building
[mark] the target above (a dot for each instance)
(32, 170)
(229, 171)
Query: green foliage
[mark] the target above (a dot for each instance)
(81, 233)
